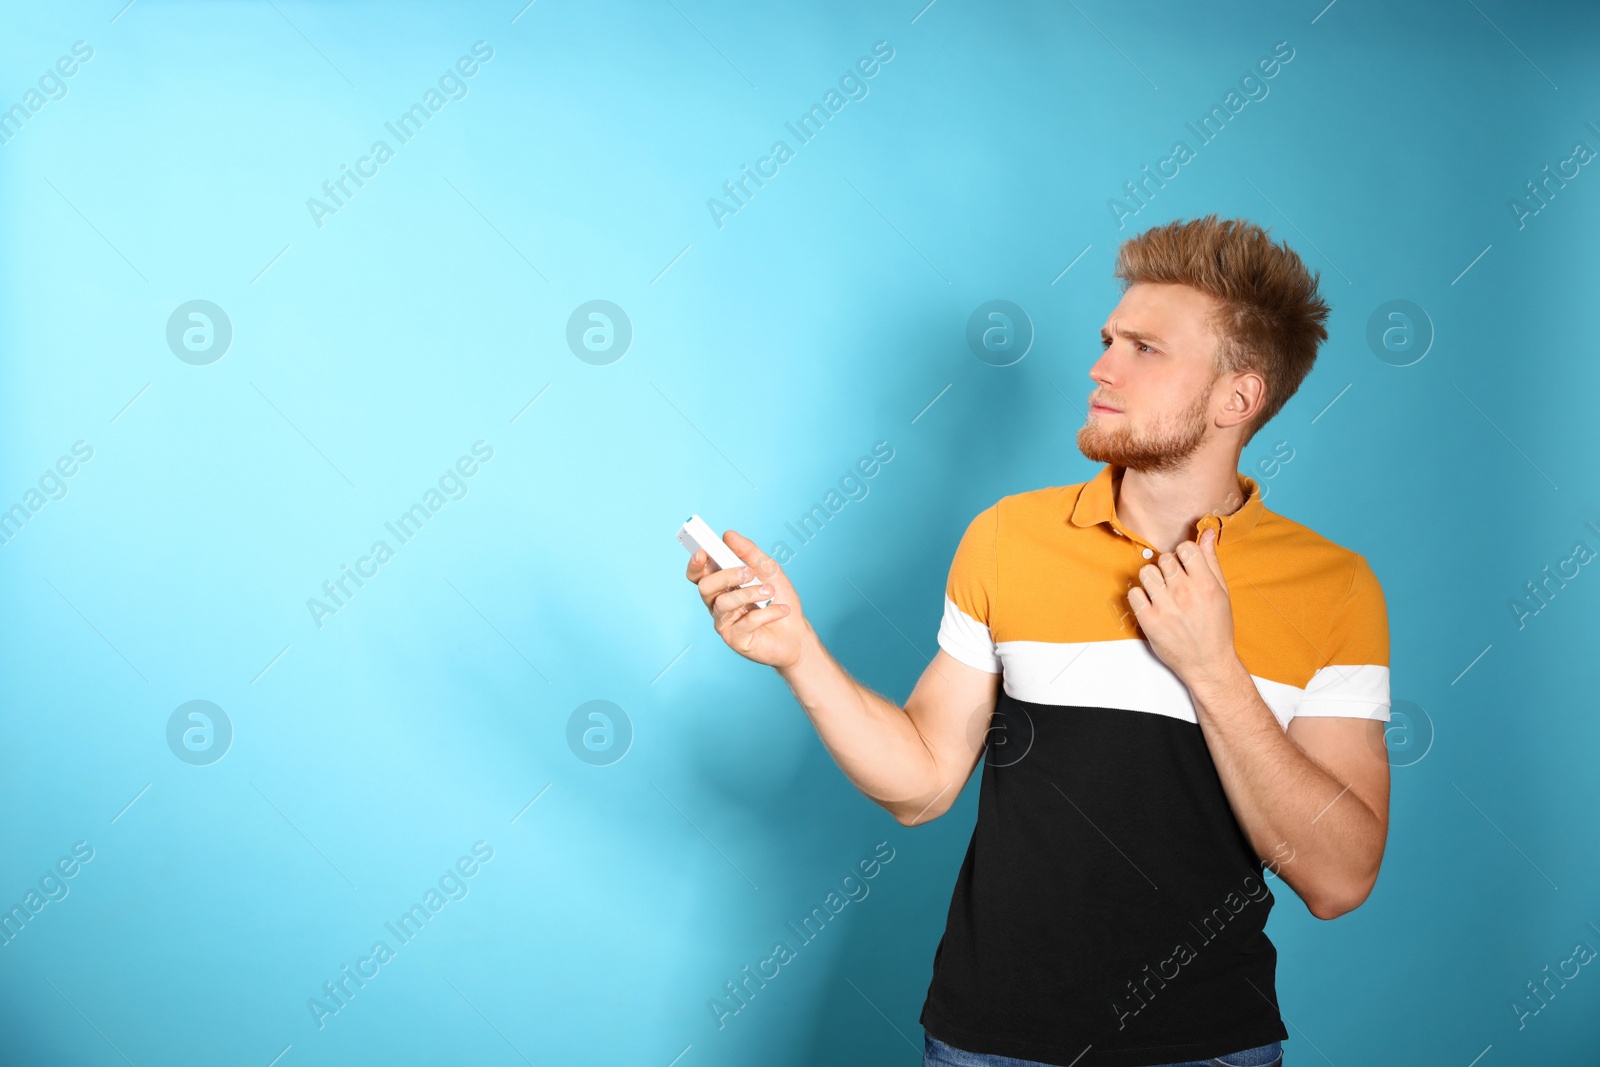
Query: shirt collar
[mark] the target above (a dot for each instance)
(1096, 504)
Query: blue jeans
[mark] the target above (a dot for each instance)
(936, 1053)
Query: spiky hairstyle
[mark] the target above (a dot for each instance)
(1271, 317)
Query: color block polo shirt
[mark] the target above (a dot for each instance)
(1110, 911)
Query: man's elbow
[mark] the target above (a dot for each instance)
(1327, 912)
(915, 815)
(928, 804)
(1331, 907)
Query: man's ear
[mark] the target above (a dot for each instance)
(1246, 395)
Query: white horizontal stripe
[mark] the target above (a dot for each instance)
(1128, 675)
(1123, 674)
(967, 639)
(1280, 697)
(1096, 674)
(1359, 691)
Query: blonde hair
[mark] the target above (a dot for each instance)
(1271, 316)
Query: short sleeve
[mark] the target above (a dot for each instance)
(1354, 678)
(969, 596)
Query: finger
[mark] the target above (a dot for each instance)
(1169, 564)
(758, 561)
(1208, 547)
(722, 620)
(741, 633)
(698, 563)
(701, 564)
(738, 598)
(1137, 601)
(717, 585)
(727, 615)
(720, 581)
(1155, 584)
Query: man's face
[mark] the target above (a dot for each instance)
(1154, 379)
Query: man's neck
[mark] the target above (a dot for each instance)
(1166, 508)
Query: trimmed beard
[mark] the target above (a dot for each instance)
(1167, 448)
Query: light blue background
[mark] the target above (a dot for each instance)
(768, 356)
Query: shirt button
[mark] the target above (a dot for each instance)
(1147, 553)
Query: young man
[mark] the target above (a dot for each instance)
(1194, 688)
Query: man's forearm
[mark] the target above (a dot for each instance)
(871, 739)
(1326, 838)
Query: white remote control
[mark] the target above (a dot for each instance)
(695, 535)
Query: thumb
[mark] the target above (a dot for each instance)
(765, 567)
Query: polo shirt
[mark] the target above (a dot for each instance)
(1110, 911)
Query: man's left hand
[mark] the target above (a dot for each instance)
(1184, 609)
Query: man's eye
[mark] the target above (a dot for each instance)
(1105, 342)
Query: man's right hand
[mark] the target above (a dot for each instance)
(773, 635)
